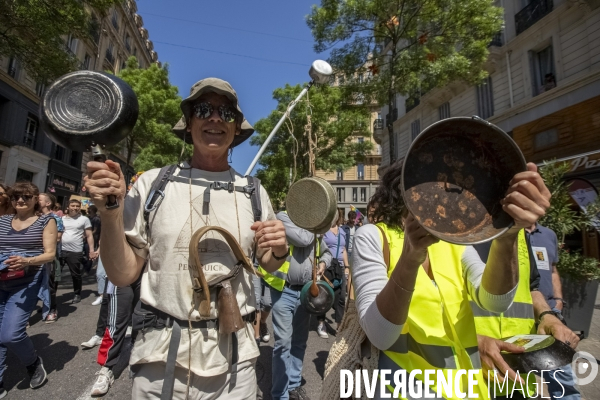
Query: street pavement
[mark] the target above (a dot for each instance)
(71, 370)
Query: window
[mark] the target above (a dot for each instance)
(115, 19)
(109, 53)
(361, 140)
(355, 194)
(71, 44)
(360, 170)
(128, 42)
(415, 129)
(59, 152)
(341, 194)
(30, 132)
(74, 161)
(40, 88)
(544, 77)
(340, 175)
(485, 98)
(396, 150)
(363, 194)
(135, 51)
(13, 67)
(546, 139)
(444, 110)
(87, 60)
(24, 176)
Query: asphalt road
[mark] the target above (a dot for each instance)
(71, 370)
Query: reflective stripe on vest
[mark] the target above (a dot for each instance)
(427, 340)
(519, 319)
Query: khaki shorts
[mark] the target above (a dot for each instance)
(240, 384)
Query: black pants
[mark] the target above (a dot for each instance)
(74, 260)
(52, 285)
(115, 316)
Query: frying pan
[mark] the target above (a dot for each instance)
(454, 175)
(87, 111)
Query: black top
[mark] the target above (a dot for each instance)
(96, 229)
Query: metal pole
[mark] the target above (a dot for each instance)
(274, 131)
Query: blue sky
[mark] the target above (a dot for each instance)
(176, 27)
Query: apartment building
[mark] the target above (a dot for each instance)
(543, 87)
(355, 186)
(28, 154)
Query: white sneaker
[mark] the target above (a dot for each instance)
(322, 331)
(98, 301)
(103, 383)
(93, 342)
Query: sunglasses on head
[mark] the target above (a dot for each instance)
(25, 197)
(205, 109)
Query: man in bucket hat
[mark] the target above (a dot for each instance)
(169, 359)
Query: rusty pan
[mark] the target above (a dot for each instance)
(454, 175)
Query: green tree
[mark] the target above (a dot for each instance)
(408, 46)
(31, 31)
(565, 219)
(332, 123)
(152, 140)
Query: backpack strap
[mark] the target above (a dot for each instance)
(254, 185)
(157, 191)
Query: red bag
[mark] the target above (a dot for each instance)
(8, 275)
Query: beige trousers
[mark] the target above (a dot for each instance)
(239, 384)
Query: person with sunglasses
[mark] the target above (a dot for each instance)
(5, 205)
(27, 242)
(204, 191)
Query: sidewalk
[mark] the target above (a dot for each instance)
(592, 346)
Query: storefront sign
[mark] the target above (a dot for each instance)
(586, 162)
(61, 182)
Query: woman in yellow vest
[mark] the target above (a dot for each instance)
(415, 308)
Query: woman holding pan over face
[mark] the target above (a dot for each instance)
(416, 309)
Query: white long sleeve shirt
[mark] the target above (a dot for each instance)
(369, 276)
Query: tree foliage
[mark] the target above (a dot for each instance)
(564, 219)
(152, 139)
(408, 46)
(31, 30)
(332, 121)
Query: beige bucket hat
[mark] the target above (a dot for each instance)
(207, 85)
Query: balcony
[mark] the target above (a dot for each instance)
(378, 130)
(496, 40)
(532, 13)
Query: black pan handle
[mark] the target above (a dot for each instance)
(100, 156)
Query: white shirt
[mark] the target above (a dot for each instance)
(166, 283)
(74, 234)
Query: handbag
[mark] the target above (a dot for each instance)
(9, 275)
(352, 349)
(335, 272)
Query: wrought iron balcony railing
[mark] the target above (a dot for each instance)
(532, 13)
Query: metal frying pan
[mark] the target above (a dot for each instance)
(455, 174)
(311, 205)
(88, 110)
(547, 354)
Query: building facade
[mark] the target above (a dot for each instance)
(543, 88)
(355, 186)
(26, 153)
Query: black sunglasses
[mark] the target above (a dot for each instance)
(25, 197)
(205, 109)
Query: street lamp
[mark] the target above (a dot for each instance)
(319, 73)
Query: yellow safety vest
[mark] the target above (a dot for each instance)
(519, 319)
(439, 332)
(277, 278)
